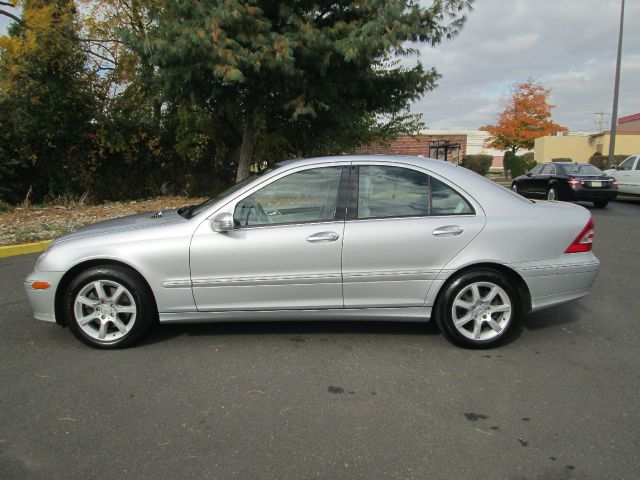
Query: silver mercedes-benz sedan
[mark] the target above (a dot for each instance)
(349, 237)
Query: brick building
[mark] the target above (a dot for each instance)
(630, 123)
(450, 145)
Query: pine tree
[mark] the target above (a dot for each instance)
(313, 71)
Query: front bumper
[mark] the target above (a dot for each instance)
(559, 280)
(43, 301)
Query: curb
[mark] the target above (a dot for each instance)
(23, 249)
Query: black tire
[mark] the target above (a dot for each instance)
(444, 309)
(143, 306)
(552, 192)
(600, 203)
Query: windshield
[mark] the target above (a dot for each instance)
(582, 170)
(196, 209)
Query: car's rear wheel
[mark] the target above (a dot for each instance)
(478, 309)
(600, 203)
(552, 193)
(108, 307)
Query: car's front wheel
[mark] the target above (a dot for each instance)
(514, 187)
(478, 309)
(108, 307)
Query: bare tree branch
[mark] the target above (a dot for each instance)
(12, 16)
(97, 55)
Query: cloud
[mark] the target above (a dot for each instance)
(569, 45)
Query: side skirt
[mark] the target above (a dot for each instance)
(407, 314)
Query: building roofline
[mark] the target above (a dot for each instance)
(629, 118)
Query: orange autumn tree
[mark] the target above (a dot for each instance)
(527, 116)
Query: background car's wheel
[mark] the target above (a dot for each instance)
(108, 307)
(478, 309)
(552, 193)
(514, 187)
(600, 203)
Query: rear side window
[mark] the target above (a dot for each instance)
(392, 192)
(385, 192)
(446, 201)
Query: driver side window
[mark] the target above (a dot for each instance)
(627, 164)
(305, 196)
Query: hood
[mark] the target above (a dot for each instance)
(130, 222)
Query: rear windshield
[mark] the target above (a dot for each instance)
(581, 169)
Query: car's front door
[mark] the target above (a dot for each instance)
(526, 183)
(285, 251)
(624, 175)
(403, 226)
(635, 177)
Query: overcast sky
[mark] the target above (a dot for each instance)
(568, 45)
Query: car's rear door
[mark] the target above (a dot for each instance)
(541, 182)
(285, 251)
(402, 227)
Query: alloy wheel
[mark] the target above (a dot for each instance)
(105, 310)
(481, 311)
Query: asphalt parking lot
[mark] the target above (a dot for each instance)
(333, 400)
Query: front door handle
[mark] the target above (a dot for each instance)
(448, 231)
(323, 237)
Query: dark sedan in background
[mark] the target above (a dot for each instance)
(568, 182)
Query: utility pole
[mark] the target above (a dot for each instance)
(616, 91)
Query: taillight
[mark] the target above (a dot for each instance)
(614, 185)
(584, 240)
(573, 183)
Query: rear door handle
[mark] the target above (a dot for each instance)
(323, 237)
(448, 231)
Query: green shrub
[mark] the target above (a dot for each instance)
(529, 157)
(516, 165)
(477, 163)
(562, 159)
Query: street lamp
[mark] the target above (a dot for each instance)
(616, 91)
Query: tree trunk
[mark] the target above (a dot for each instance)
(248, 143)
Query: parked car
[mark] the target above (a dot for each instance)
(567, 182)
(627, 174)
(350, 237)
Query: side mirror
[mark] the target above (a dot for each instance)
(223, 222)
(529, 174)
(614, 166)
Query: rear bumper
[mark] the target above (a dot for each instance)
(43, 301)
(594, 194)
(559, 280)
